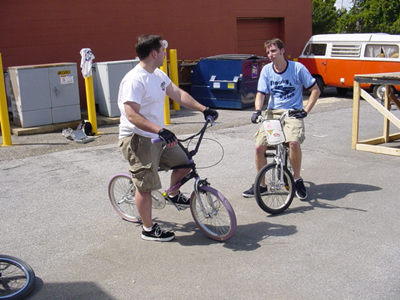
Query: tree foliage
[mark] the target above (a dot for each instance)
(324, 16)
(364, 16)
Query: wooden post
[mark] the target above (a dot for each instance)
(356, 114)
(386, 122)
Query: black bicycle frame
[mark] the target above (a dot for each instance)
(192, 165)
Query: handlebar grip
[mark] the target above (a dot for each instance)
(260, 119)
(292, 112)
(297, 113)
(156, 140)
(210, 118)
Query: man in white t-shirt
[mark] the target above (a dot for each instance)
(141, 102)
(283, 81)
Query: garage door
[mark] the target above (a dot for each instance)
(253, 32)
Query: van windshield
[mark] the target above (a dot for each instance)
(315, 49)
(385, 51)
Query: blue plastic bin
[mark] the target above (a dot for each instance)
(227, 81)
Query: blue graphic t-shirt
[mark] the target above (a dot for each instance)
(286, 88)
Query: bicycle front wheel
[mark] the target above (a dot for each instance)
(121, 192)
(213, 214)
(279, 193)
(17, 278)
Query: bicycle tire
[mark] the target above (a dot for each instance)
(17, 278)
(213, 214)
(279, 195)
(121, 193)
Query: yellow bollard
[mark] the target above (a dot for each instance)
(167, 116)
(4, 120)
(91, 107)
(173, 58)
(86, 65)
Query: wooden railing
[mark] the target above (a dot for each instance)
(375, 144)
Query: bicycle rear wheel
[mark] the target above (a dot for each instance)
(17, 278)
(121, 192)
(213, 214)
(280, 193)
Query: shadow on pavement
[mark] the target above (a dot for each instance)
(336, 191)
(68, 290)
(329, 192)
(246, 238)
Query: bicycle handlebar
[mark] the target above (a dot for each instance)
(209, 120)
(156, 140)
(290, 113)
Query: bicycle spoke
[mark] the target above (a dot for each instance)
(122, 196)
(280, 188)
(17, 278)
(213, 216)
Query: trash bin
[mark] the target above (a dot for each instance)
(227, 81)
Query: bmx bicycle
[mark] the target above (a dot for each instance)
(276, 175)
(211, 211)
(17, 278)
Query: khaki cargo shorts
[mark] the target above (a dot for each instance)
(293, 129)
(145, 158)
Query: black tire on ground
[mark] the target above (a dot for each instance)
(17, 278)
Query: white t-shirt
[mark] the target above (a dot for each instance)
(146, 89)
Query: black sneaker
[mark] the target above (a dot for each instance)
(301, 192)
(250, 192)
(157, 234)
(180, 199)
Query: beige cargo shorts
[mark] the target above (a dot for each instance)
(145, 158)
(293, 128)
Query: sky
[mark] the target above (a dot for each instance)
(344, 3)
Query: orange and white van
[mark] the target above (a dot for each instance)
(334, 59)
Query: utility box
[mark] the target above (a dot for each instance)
(227, 81)
(107, 78)
(44, 94)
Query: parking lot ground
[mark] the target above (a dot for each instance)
(343, 243)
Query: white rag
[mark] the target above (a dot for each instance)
(86, 62)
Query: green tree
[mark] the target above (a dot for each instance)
(325, 16)
(371, 16)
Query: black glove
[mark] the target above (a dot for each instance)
(299, 114)
(255, 116)
(210, 113)
(167, 136)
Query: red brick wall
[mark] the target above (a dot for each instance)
(49, 31)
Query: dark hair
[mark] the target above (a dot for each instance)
(275, 41)
(147, 43)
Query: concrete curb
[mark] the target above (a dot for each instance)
(101, 121)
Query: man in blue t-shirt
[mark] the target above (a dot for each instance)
(283, 80)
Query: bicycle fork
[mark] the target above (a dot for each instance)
(278, 176)
(207, 213)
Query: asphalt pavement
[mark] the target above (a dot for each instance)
(343, 243)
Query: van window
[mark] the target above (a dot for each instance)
(346, 50)
(384, 51)
(315, 49)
